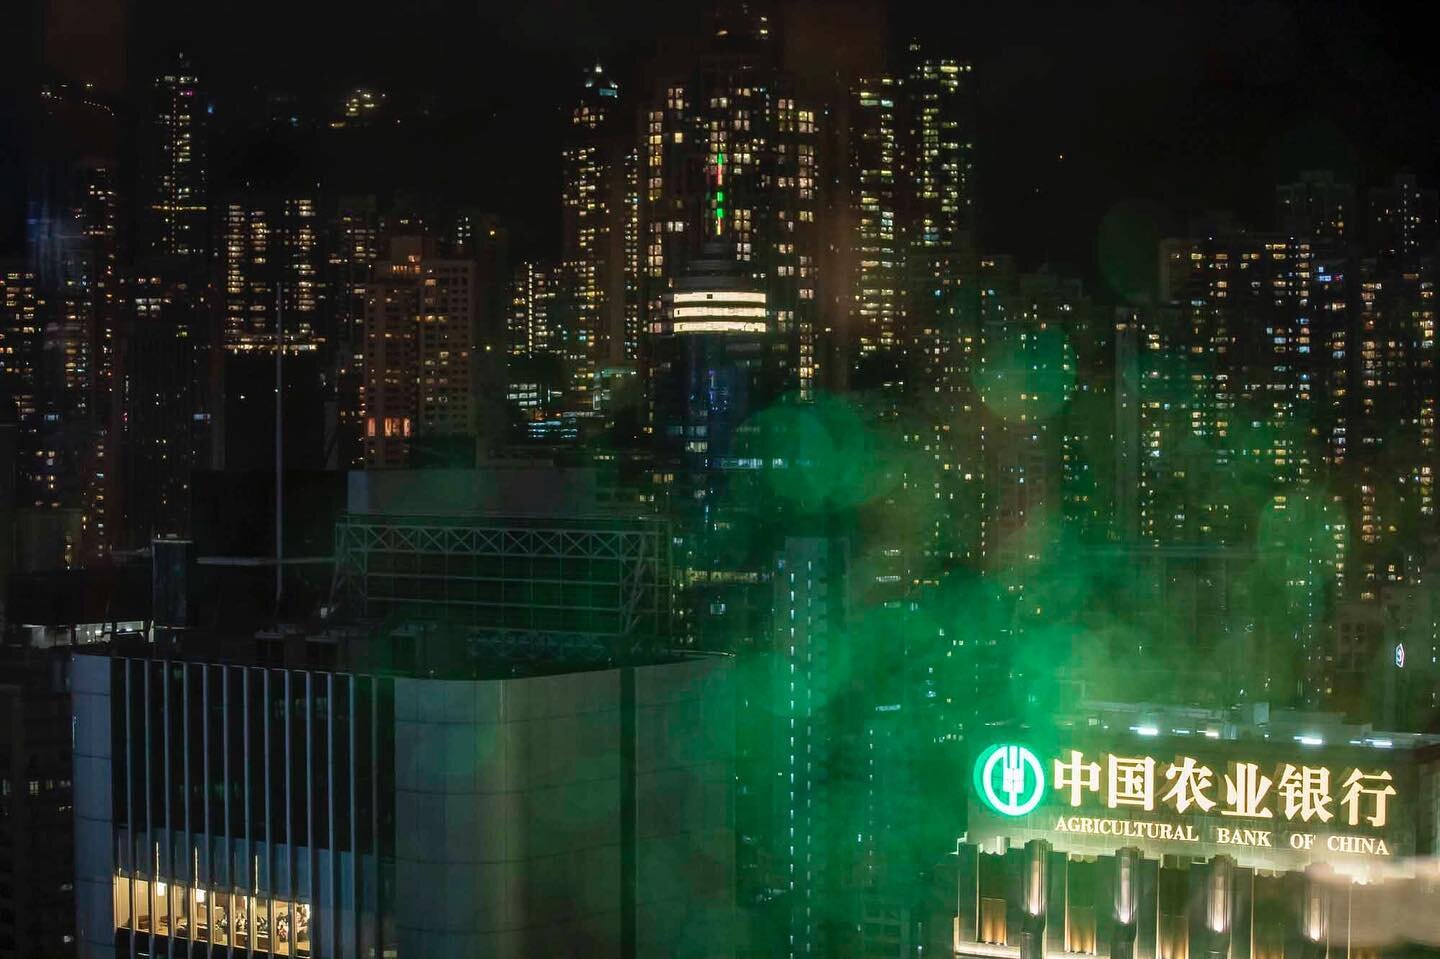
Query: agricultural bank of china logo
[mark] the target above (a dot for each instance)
(1009, 779)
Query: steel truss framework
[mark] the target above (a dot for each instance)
(603, 582)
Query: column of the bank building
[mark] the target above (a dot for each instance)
(1138, 935)
(965, 925)
(1315, 912)
(1127, 903)
(1035, 895)
(1219, 907)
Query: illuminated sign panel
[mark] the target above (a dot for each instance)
(1258, 806)
(1010, 779)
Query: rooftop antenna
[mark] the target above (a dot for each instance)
(717, 192)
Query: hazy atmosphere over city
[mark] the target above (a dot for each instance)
(730, 478)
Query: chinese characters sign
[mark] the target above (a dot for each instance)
(1305, 804)
(1302, 792)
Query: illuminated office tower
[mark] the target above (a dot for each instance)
(598, 232)
(1315, 206)
(1401, 220)
(270, 258)
(178, 203)
(731, 153)
(877, 260)
(713, 361)
(421, 318)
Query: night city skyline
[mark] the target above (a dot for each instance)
(742, 478)
(1234, 97)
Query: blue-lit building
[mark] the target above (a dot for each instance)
(714, 360)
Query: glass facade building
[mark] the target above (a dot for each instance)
(228, 809)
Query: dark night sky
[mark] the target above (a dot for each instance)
(1193, 107)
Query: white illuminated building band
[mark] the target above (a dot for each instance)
(718, 311)
(726, 296)
(718, 326)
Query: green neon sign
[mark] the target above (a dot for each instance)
(1009, 779)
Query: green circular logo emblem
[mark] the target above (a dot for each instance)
(1009, 779)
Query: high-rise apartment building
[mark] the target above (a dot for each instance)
(940, 160)
(535, 371)
(1392, 460)
(599, 230)
(20, 340)
(877, 250)
(1317, 207)
(731, 153)
(943, 306)
(178, 202)
(271, 265)
(76, 266)
(421, 322)
(1401, 220)
(1243, 416)
(910, 297)
(1026, 379)
(354, 247)
(164, 399)
(535, 290)
(1247, 354)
